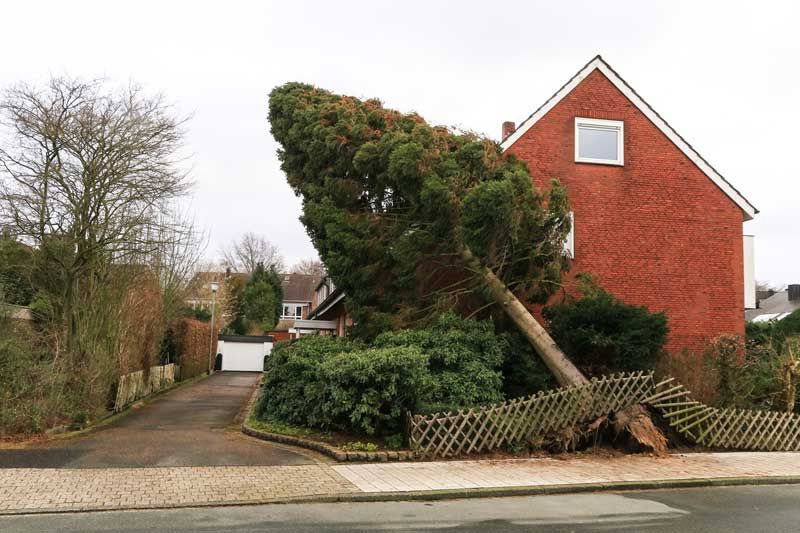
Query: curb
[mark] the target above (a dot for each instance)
(448, 494)
(317, 446)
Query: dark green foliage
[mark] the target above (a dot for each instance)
(464, 358)
(327, 382)
(390, 203)
(294, 390)
(789, 326)
(370, 390)
(16, 264)
(262, 297)
(523, 371)
(775, 332)
(200, 313)
(602, 334)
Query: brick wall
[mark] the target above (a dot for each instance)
(655, 232)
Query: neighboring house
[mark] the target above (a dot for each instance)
(777, 306)
(328, 309)
(654, 222)
(298, 295)
(199, 295)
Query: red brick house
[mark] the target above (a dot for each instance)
(654, 222)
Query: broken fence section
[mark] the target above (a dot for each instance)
(486, 428)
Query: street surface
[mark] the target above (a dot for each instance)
(722, 509)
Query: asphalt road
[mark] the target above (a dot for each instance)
(191, 426)
(722, 509)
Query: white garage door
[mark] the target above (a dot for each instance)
(243, 356)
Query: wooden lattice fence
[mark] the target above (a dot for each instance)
(737, 429)
(133, 386)
(494, 426)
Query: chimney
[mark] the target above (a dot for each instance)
(508, 129)
(794, 293)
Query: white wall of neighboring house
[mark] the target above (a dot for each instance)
(749, 272)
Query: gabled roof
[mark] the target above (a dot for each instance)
(598, 63)
(299, 287)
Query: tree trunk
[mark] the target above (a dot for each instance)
(561, 367)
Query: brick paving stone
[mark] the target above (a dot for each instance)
(40, 490)
(119, 488)
(402, 477)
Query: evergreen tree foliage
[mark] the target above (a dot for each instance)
(262, 298)
(603, 334)
(16, 263)
(391, 203)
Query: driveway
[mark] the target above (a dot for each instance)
(194, 425)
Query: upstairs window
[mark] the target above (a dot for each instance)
(292, 312)
(599, 141)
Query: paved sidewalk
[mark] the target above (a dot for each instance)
(444, 475)
(26, 490)
(48, 489)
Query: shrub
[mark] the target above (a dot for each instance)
(294, 389)
(523, 371)
(602, 334)
(371, 390)
(789, 326)
(199, 313)
(464, 360)
(328, 382)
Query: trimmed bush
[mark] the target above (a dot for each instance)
(370, 390)
(294, 389)
(464, 360)
(334, 383)
(602, 334)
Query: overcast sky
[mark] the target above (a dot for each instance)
(723, 74)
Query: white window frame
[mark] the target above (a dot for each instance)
(617, 126)
(569, 242)
(292, 307)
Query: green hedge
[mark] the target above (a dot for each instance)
(602, 334)
(334, 383)
(464, 360)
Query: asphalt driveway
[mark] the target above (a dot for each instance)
(194, 425)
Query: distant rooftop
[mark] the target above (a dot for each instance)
(776, 307)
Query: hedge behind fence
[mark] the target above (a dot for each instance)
(192, 344)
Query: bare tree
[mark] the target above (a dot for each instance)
(313, 267)
(176, 260)
(244, 254)
(85, 175)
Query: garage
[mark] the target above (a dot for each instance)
(242, 353)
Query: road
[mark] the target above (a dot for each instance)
(723, 509)
(193, 425)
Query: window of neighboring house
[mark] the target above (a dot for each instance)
(292, 311)
(569, 242)
(599, 141)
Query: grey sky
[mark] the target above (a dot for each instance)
(723, 74)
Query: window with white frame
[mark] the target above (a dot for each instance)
(292, 312)
(599, 141)
(569, 242)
